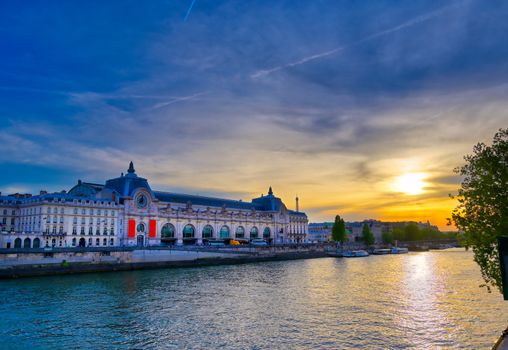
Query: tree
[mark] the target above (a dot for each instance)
(482, 210)
(412, 232)
(367, 236)
(339, 230)
(398, 234)
(387, 237)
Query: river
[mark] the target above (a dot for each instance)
(423, 300)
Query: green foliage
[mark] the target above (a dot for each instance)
(367, 236)
(398, 234)
(339, 230)
(412, 232)
(387, 237)
(482, 210)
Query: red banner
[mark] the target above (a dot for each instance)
(132, 229)
(153, 228)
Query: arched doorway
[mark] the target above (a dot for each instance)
(27, 243)
(224, 232)
(140, 240)
(266, 233)
(240, 232)
(168, 234)
(207, 232)
(189, 234)
(17, 243)
(82, 242)
(37, 243)
(254, 233)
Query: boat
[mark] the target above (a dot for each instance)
(355, 253)
(381, 251)
(399, 250)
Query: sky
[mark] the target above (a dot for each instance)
(361, 108)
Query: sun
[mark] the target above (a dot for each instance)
(410, 183)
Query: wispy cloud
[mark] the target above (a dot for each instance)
(407, 24)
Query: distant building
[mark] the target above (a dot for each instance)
(322, 232)
(125, 211)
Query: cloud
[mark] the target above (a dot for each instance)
(404, 25)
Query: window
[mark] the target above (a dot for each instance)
(167, 231)
(97, 242)
(240, 232)
(254, 232)
(90, 230)
(75, 220)
(112, 231)
(74, 242)
(82, 231)
(224, 232)
(266, 232)
(104, 241)
(97, 231)
(74, 232)
(207, 231)
(55, 211)
(75, 211)
(112, 241)
(188, 231)
(105, 231)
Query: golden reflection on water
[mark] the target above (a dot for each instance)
(410, 301)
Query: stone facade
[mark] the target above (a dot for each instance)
(125, 211)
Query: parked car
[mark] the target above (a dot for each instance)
(259, 242)
(234, 242)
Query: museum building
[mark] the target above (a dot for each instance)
(125, 211)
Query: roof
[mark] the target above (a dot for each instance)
(205, 201)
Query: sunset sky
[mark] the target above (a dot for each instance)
(362, 108)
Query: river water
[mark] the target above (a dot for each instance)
(424, 300)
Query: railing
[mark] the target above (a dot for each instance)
(198, 248)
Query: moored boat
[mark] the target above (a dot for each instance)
(399, 250)
(355, 253)
(381, 251)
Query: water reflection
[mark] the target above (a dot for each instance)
(420, 300)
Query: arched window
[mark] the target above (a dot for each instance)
(17, 243)
(224, 232)
(266, 232)
(168, 231)
(112, 241)
(254, 232)
(240, 232)
(37, 243)
(207, 231)
(97, 242)
(188, 231)
(73, 242)
(27, 243)
(104, 242)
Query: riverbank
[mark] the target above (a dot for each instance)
(61, 262)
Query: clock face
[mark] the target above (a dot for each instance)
(141, 201)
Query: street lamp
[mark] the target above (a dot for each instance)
(503, 261)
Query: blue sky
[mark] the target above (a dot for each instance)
(328, 99)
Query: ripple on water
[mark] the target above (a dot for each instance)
(421, 300)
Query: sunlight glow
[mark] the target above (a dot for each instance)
(410, 183)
